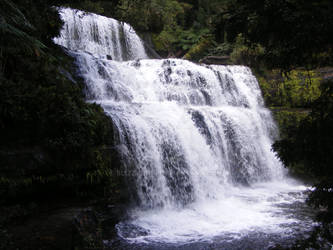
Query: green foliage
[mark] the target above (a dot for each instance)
(242, 53)
(191, 37)
(279, 34)
(177, 26)
(14, 33)
(298, 89)
(94, 7)
(199, 50)
(151, 15)
(293, 33)
(310, 144)
(164, 41)
(221, 49)
(179, 39)
(288, 121)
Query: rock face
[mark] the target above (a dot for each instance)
(45, 229)
(64, 226)
(94, 228)
(86, 230)
(217, 60)
(149, 45)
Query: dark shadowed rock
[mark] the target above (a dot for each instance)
(219, 60)
(86, 230)
(149, 45)
(93, 227)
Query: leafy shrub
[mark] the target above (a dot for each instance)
(199, 50)
(298, 89)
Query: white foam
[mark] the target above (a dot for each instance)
(196, 138)
(242, 211)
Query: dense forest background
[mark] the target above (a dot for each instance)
(56, 148)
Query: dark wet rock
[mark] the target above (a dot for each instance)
(11, 160)
(218, 60)
(108, 57)
(93, 227)
(86, 230)
(149, 45)
(46, 228)
(136, 63)
(65, 226)
(200, 123)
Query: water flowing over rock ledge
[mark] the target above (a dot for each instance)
(195, 138)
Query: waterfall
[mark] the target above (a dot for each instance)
(186, 131)
(189, 135)
(99, 35)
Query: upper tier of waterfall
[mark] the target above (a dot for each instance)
(99, 35)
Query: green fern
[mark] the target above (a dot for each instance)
(12, 14)
(14, 31)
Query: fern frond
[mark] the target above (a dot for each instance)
(14, 28)
(10, 12)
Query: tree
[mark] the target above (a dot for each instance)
(293, 32)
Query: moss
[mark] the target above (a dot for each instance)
(298, 89)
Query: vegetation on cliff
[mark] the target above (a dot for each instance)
(54, 146)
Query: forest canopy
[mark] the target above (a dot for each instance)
(291, 33)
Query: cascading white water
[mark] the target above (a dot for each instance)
(188, 131)
(99, 35)
(195, 139)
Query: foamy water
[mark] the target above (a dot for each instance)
(195, 138)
